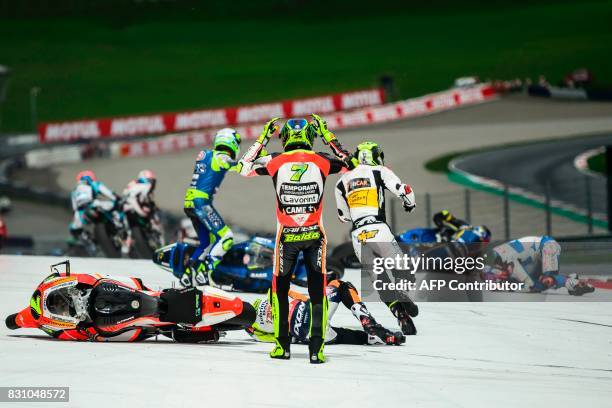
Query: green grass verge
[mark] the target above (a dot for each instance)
(597, 163)
(439, 164)
(92, 66)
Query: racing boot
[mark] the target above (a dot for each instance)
(194, 274)
(397, 339)
(199, 272)
(315, 350)
(403, 312)
(186, 279)
(377, 334)
(577, 287)
(282, 350)
(210, 264)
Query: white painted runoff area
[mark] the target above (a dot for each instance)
(465, 355)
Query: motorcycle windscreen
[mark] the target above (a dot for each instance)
(258, 256)
(174, 258)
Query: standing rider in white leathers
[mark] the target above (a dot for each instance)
(360, 198)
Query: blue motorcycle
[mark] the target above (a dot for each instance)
(418, 236)
(246, 267)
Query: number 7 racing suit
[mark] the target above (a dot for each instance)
(299, 178)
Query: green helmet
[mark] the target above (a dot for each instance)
(227, 140)
(297, 134)
(370, 153)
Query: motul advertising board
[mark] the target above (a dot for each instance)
(184, 121)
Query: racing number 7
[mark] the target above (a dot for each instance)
(299, 170)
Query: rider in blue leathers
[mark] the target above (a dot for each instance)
(208, 174)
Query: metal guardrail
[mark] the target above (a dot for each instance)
(506, 216)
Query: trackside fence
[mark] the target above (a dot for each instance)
(512, 212)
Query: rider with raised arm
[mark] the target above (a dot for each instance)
(360, 198)
(299, 178)
(208, 174)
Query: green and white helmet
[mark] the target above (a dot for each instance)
(370, 153)
(297, 134)
(227, 140)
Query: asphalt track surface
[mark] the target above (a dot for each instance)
(408, 144)
(536, 167)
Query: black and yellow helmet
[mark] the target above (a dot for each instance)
(446, 215)
(297, 134)
(370, 153)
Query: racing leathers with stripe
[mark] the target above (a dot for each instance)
(299, 178)
(360, 199)
(208, 174)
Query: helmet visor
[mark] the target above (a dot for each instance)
(297, 124)
(59, 302)
(227, 143)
